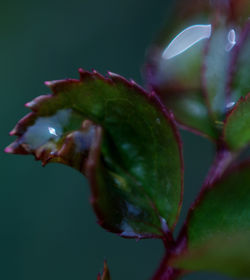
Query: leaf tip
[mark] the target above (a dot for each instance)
(8, 150)
(29, 104)
(51, 85)
(15, 148)
(13, 132)
(83, 74)
(116, 77)
(48, 83)
(112, 74)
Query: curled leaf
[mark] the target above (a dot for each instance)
(121, 138)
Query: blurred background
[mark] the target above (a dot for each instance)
(47, 227)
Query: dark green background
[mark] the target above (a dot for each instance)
(47, 228)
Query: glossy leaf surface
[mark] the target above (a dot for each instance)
(200, 66)
(121, 138)
(174, 66)
(216, 64)
(218, 227)
(236, 130)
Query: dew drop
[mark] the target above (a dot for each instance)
(230, 105)
(52, 131)
(231, 37)
(46, 128)
(164, 225)
(127, 230)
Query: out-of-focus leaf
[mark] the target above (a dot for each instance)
(239, 82)
(226, 66)
(240, 10)
(218, 227)
(225, 63)
(174, 66)
(236, 129)
(105, 274)
(121, 138)
(216, 64)
(227, 255)
(199, 67)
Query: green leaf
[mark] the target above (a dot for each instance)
(216, 65)
(236, 128)
(228, 256)
(226, 56)
(174, 67)
(121, 138)
(200, 65)
(239, 80)
(218, 227)
(105, 274)
(226, 62)
(191, 112)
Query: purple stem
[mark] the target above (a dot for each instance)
(223, 159)
(165, 272)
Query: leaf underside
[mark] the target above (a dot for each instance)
(121, 138)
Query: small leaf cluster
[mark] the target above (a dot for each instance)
(125, 139)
